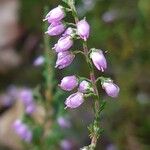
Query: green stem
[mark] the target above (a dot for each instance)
(74, 12)
(49, 59)
(96, 128)
(95, 134)
(48, 76)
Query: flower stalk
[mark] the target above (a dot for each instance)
(94, 57)
(95, 134)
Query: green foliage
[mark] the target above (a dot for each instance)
(37, 135)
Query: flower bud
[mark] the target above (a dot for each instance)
(63, 44)
(74, 100)
(39, 61)
(68, 83)
(66, 144)
(55, 15)
(29, 109)
(22, 130)
(85, 87)
(56, 28)
(64, 59)
(26, 96)
(98, 59)
(111, 89)
(83, 29)
(63, 122)
(69, 31)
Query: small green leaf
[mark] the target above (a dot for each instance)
(90, 95)
(102, 106)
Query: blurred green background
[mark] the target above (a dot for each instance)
(120, 27)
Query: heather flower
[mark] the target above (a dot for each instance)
(10, 96)
(83, 29)
(110, 16)
(63, 44)
(68, 83)
(27, 98)
(55, 15)
(98, 59)
(69, 31)
(85, 87)
(22, 131)
(39, 61)
(111, 89)
(63, 122)
(65, 145)
(55, 28)
(111, 147)
(29, 109)
(74, 100)
(12, 91)
(87, 5)
(6, 100)
(64, 59)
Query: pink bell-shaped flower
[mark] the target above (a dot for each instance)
(74, 100)
(111, 89)
(98, 59)
(55, 15)
(64, 59)
(83, 29)
(63, 44)
(68, 83)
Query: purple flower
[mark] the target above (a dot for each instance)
(74, 100)
(29, 109)
(83, 29)
(39, 61)
(69, 31)
(66, 145)
(22, 130)
(111, 89)
(85, 87)
(55, 15)
(6, 100)
(110, 16)
(56, 28)
(27, 98)
(12, 91)
(63, 44)
(111, 147)
(98, 59)
(63, 122)
(68, 83)
(64, 59)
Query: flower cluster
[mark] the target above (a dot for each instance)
(22, 131)
(57, 27)
(69, 83)
(27, 98)
(82, 87)
(81, 30)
